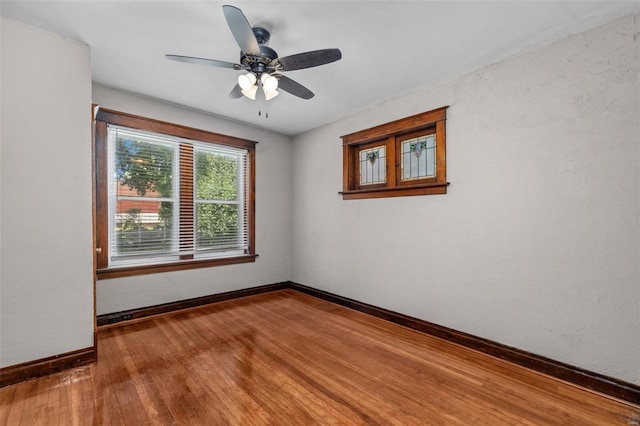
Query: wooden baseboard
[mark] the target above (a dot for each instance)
(44, 366)
(133, 314)
(587, 379)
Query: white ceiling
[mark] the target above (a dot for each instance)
(389, 48)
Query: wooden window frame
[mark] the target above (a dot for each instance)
(105, 117)
(391, 134)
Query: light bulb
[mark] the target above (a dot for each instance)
(269, 82)
(246, 81)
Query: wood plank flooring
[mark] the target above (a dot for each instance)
(284, 358)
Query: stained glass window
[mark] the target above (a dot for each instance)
(373, 165)
(400, 158)
(419, 157)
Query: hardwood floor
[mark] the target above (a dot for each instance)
(286, 358)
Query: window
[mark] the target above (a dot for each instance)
(170, 197)
(404, 157)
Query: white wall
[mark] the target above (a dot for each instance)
(46, 232)
(537, 244)
(273, 215)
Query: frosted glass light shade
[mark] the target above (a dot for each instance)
(270, 94)
(251, 93)
(269, 82)
(246, 81)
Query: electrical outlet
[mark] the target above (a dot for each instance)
(115, 319)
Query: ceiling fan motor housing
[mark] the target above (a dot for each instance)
(260, 64)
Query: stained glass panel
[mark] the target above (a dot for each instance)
(373, 165)
(419, 157)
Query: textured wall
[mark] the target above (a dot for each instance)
(273, 216)
(537, 244)
(46, 252)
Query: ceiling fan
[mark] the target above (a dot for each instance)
(261, 63)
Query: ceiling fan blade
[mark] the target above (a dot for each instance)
(236, 92)
(241, 30)
(203, 61)
(293, 87)
(309, 59)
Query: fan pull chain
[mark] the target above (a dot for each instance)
(266, 109)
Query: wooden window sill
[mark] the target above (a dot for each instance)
(128, 271)
(396, 191)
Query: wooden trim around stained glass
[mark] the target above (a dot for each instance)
(428, 122)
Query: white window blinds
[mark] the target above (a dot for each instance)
(174, 198)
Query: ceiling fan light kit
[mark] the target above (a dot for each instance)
(269, 82)
(260, 63)
(251, 92)
(246, 81)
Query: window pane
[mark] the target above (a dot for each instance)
(216, 176)
(373, 165)
(219, 204)
(142, 221)
(218, 226)
(418, 157)
(142, 228)
(143, 169)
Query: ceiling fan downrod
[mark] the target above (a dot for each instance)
(262, 35)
